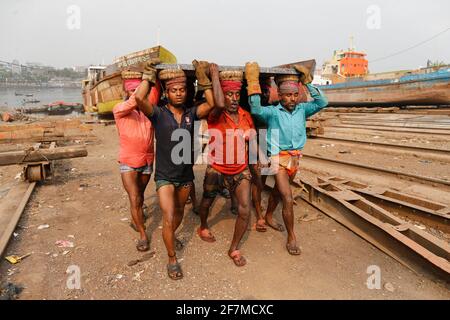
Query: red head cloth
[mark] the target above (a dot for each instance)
(288, 87)
(229, 85)
(131, 84)
(175, 81)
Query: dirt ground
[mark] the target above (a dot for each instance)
(86, 204)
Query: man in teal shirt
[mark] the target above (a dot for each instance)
(286, 136)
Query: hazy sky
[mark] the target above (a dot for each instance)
(229, 32)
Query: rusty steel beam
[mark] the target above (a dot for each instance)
(427, 150)
(430, 213)
(263, 70)
(267, 71)
(412, 247)
(379, 169)
(389, 129)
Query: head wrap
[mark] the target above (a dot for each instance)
(172, 77)
(230, 85)
(131, 79)
(231, 80)
(131, 84)
(288, 86)
(175, 81)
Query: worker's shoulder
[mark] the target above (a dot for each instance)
(117, 105)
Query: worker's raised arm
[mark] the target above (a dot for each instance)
(201, 72)
(219, 98)
(319, 100)
(123, 108)
(141, 93)
(254, 92)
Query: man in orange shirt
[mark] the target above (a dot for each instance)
(230, 128)
(136, 150)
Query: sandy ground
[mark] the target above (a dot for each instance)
(86, 204)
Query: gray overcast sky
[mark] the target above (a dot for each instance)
(229, 32)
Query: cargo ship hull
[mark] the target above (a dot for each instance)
(424, 87)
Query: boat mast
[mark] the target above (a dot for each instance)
(158, 34)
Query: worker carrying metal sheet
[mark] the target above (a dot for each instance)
(286, 136)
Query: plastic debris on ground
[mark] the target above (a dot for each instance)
(64, 244)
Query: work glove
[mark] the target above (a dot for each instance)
(149, 73)
(201, 73)
(252, 77)
(305, 75)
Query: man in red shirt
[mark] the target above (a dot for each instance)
(230, 128)
(136, 150)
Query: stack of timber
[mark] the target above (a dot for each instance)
(46, 131)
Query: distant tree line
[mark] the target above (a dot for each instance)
(40, 75)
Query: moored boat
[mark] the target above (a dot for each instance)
(427, 86)
(62, 108)
(31, 101)
(346, 81)
(103, 89)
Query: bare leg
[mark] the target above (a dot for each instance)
(144, 179)
(181, 196)
(274, 199)
(242, 194)
(256, 199)
(131, 184)
(210, 184)
(166, 196)
(283, 185)
(193, 197)
(205, 205)
(234, 204)
(143, 182)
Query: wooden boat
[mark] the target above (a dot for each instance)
(103, 89)
(31, 101)
(62, 108)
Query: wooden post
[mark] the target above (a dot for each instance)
(24, 156)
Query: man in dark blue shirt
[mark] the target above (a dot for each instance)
(174, 131)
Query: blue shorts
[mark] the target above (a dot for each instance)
(147, 169)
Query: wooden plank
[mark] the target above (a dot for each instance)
(50, 139)
(11, 209)
(24, 156)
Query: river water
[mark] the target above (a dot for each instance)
(9, 99)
